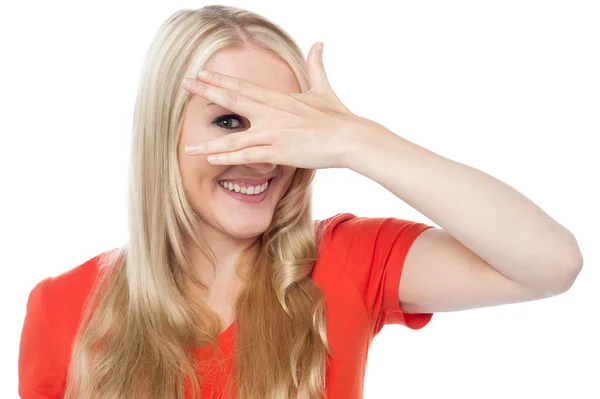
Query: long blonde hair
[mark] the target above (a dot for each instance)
(141, 321)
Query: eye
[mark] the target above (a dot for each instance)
(224, 122)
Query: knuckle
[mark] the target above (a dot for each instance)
(215, 78)
(231, 142)
(247, 156)
(232, 97)
(242, 85)
(200, 88)
(274, 97)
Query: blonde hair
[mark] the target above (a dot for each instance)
(140, 321)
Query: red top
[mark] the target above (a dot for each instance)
(358, 268)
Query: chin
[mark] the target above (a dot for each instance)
(249, 228)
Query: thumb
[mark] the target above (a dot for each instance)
(316, 69)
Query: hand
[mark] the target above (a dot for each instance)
(305, 130)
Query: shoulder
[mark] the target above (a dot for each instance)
(325, 228)
(327, 223)
(53, 313)
(369, 252)
(76, 281)
(346, 232)
(62, 297)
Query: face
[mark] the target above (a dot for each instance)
(231, 215)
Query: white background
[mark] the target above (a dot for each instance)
(511, 88)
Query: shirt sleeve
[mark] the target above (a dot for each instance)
(38, 372)
(372, 251)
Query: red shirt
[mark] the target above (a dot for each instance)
(358, 268)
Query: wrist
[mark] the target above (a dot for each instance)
(363, 137)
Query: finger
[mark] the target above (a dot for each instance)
(261, 94)
(229, 143)
(316, 70)
(321, 102)
(258, 154)
(242, 86)
(226, 98)
(319, 82)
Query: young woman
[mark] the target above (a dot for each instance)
(226, 285)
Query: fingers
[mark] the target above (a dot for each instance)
(231, 99)
(258, 154)
(256, 92)
(275, 99)
(231, 142)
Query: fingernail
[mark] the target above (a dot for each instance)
(189, 83)
(191, 148)
(215, 158)
(320, 46)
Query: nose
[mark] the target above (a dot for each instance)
(262, 168)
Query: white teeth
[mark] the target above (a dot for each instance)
(249, 191)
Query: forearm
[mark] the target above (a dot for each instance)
(493, 220)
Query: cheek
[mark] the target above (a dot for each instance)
(196, 171)
(288, 172)
(287, 176)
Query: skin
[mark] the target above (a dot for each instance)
(495, 245)
(231, 225)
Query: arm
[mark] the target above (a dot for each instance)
(495, 246)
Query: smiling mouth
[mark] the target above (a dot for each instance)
(234, 188)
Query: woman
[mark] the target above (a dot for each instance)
(226, 285)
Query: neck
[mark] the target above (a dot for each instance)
(227, 251)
